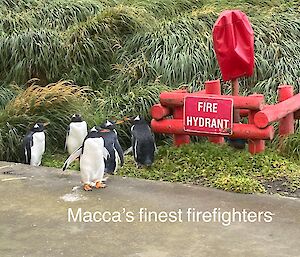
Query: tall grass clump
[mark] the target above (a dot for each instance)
(180, 51)
(175, 51)
(291, 146)
(56, 14)
(30, 54)
(130, 50)
(117, 102)
(54, 103)
(92, 45)
(141, 41)
(82, 50)
(165, 8)
(6, 95)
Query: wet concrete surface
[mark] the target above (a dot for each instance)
(34, 219)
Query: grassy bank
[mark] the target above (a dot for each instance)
(126, 52)
(220, 167)
(120, 55)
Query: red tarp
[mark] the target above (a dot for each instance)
(233, 39)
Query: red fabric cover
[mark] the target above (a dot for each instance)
(233, 39)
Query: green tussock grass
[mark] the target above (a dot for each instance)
(220, 167)
(141, 41)
(54, 103)
(291, 146)
(120, 55)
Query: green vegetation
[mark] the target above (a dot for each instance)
(211, 165)
(126, 42)
(127, 51)
(221, 167)
(291, 147)
(57, 160)
(120, 55)
(54, 103)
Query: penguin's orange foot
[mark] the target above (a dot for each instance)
(100, 185)
(87, 187)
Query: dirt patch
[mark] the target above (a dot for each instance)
(280, 186)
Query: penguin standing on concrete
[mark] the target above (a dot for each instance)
(143, 143)
(92, 154)
(76, 133)
(108, 132)
(34, 144)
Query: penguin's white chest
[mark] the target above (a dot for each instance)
(77, 133)
(38, 148)
(92, 160)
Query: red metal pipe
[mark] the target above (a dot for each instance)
(214, 87)
(252, 102)
(174, 98)
(276, 112)
(244, 131)
(286, 124)
(255, 145)
(158, 111)
(244, 112)
(179, 139)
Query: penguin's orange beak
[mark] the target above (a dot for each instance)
(126, 119)
(46, 124)
(119, 122)
(122, 121)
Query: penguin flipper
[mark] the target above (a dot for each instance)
(134, 147)
(28, 143)
(105, 153)
(155, 147)
(68, 133)
(119, 151)
(72, 157)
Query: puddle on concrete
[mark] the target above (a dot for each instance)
(74, 196)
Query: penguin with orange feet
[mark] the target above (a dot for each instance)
(92, 155)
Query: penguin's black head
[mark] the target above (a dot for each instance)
(108, 124)
(93, 133)
(38, 127)
(101, 129)
(76, 118)
(138, 120)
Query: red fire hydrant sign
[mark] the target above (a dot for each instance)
(209, 115)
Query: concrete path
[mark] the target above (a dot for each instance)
(34, 219)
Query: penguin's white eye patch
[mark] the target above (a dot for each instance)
(73, 116)
(36, 126)
(137, 117)
(108, 123)
(93, 129)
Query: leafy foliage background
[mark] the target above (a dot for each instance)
(125, 52)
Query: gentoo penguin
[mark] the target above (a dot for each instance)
(34, 145)
(92, 154)
(108, 132)
(76, 133)
(143, 143)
